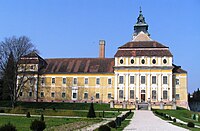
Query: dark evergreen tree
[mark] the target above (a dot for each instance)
(1, 88)
(9, 78)
(91, 113)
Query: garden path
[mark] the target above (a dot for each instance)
(147, 121)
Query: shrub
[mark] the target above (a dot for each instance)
(174, 120)
(104, 128)
(112, 124)
(190, 124)
(28, 115)
(2, 111)
(8, 127)
(54, 108)
(170, 118)
(37, 125)
(91, 113)
(194, 117)
(42, 117)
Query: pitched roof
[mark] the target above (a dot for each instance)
(79, 65)
(178, 69)
(142, 37)
(143, 44)
(129, 53)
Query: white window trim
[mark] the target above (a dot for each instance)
(65, 81)
(133, 80)
(75, 91)
(96, 95)
(119, 80)
(43, 84)
(76, 80)
(54, 94)
(43, 94)
(84, 96)
(99, 81)
(51, 81)
(111, 81)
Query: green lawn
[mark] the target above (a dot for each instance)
(67, 106)
(23, 123)
(182, 114)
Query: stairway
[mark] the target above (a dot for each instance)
(142, 106)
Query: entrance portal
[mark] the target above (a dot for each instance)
(142, 97)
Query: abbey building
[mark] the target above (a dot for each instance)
(141, 71)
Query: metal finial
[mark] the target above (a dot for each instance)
(140, 9)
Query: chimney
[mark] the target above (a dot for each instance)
(102, 48)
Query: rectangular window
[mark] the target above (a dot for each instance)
(52, 94)
(32, 81)
(131, 79)
(43, 81)
(121, 94)
(20, 94)
(97, 96)
(53, 80)
(177, 97)
(177, 81)
(97, 81)
(30, 94)
(63, 95)
(64, 81)
(85, 95)
(41, 94)
(74, 95)
(143, 80)
(164, 79)
(75, 81)
(86, 81)
(131, 94)
(164, 94)
(109, 95)
(153, 79)
(109, 81)
(154, 95)
(121, 79)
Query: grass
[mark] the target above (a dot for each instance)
(182, 114)
(56, 105)
(185, 126)
(23, 123)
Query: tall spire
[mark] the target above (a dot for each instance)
(140, 25)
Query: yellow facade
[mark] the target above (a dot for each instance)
(141, 72)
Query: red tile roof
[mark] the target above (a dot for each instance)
(129, 53)
(79, 65)
(143, 44)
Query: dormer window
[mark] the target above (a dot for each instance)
(143, 61)
(154, 61)
(121, 61)
(132, 61)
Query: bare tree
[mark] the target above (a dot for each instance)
(11, 50)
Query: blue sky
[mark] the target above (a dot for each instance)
(73, 28)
